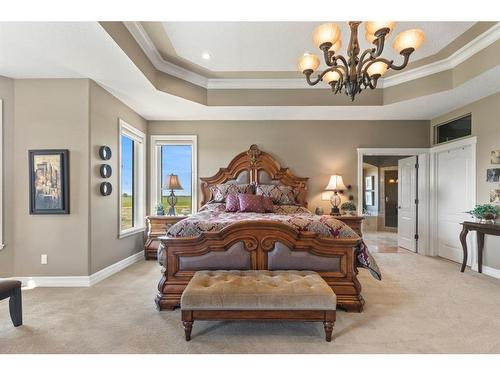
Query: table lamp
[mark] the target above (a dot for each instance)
(172, 183)
(336, 184)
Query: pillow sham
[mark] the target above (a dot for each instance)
(250, 203)
(286, 209)
(221, 191)
(280, 194)
(232, 203)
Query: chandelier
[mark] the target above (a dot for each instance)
(357, 72)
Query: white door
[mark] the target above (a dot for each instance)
(454, 197)
(407, 208)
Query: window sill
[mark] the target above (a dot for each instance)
(130, 232)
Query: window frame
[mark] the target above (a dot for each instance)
(156, 141)
(139, 178)
(436, 129)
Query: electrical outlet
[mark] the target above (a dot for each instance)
(43, 259)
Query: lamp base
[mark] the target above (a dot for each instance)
(335, 211)
(172, 200)
(171, 211)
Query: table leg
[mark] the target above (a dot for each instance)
(463, 240)
(480, 247)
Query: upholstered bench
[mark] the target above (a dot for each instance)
(258, 295)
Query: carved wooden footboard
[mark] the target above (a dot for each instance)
(259, 246)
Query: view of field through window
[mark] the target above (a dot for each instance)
(127, 183)
(177, 159)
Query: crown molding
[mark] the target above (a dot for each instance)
(470, 49)
(142, 38)
(474, 46)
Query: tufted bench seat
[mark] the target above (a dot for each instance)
(258, 295)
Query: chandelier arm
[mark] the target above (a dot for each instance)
(378, 59)
(329, 57)
(362, 60)
(380, 46)
(403, 64)
(320, 77)
(343, 60)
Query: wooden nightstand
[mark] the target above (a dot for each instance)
(157, 226)
(354, 222)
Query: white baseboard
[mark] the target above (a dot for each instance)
(490, 271)
(79, 281)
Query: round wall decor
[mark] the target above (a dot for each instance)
(106, 170)
(106, 188)
(105, 152)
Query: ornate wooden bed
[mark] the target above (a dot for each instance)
(258, 240)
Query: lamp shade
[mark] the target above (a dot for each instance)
(373, 26)
(336, 46)
(377, 69)
(326, 33)
(332, 76)
(370, 38)
(412, 38)
(336, 183)
(308, 62)
(172, 182)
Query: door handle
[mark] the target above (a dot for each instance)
(399, 207)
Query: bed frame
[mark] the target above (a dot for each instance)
(258, 238)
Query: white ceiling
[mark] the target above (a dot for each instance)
(76, 50)
(276, 46)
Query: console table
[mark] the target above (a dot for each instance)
(481, 229)
(157, 226)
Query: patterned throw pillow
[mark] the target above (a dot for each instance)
(232, 203)
(250, 203)
(280, 194)
(221, 191)
(267, 203)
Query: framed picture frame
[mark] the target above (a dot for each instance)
(495, 157)
(49, 182)
(493, 175)
(369, 182)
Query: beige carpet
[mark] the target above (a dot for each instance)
(423, 305)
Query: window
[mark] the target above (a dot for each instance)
(454, 129)
(131, 180)
(174, 155)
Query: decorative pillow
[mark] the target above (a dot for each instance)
(280, 194)
(285, 209)
(232, 203)
(221, 191)
(267, 203)
(250, 203)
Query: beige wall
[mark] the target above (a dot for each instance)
(52, 114)
(7, 253)
(486, 127)
(105, 247)
(314, 149)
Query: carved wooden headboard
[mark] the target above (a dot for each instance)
(255, 166)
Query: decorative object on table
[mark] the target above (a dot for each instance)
(319, 211)
(160, 210)
(106, 188)
(486, 213)
(172, 184)
(369, 182)
(357, 72)
(348, 207)
(369, 198)
(495, 196)
(104, 152)
(336, 184)
(105, 170)
(495, 157)
(493, 175)
(49, 181)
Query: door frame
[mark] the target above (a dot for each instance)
(434, 150)
(423, 187)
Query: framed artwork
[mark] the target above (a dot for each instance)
(492, 175)
(369, 198)
(369, 183)
(495, 157)
(495, 196)
(49, 182)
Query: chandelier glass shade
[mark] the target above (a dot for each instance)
(357, 71)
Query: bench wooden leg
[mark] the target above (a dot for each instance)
(16, 307)
(187, 322)
(328, 330)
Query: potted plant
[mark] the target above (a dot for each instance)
(486, 213)
(160, 210)
(348, 207)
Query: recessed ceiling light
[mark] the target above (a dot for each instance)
(205, 56)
